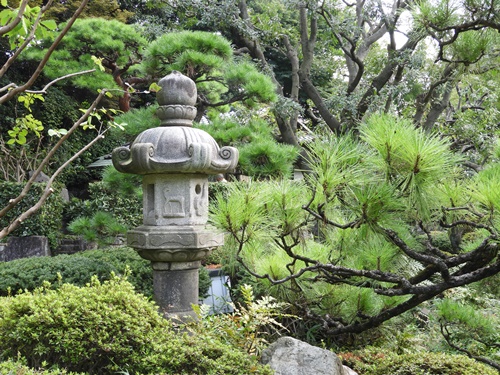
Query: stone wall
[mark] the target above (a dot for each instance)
(24, 247)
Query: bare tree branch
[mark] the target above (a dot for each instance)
(13, 202)
(13, 92)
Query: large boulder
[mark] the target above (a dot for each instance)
(288, 356)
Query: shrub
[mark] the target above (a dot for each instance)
(140, 275)
(77, 269)
(30, 273)
(46, 222)
(107, 327)
(16, 368)
(372, 362)
(261, 155)
(126, 209)
(250, 325)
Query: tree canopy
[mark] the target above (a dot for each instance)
(342, 61)
(394, 105)
(110, 47)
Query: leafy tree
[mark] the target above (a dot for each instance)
(114, 46)
(207, 59)
(471, 330)
(356, 243)
(24, 26)
(108, 9)
(342, 61)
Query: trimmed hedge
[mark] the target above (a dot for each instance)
(106, 328)
(372, 361)
(46, 222)
(77, 269)
(127, 209)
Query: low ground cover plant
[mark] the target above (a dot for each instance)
(30, 273)
(106, 328)
(373, 361)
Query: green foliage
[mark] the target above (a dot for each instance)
(112, 41)
(372, 361)
(470, 325)
(109, 9)
(485, 188)
(31, 273)
(77, 269)
(14, 367)
(58, 110)
(470, 46)
(101, 227)
(413, 160)
(244, 77)
(137, 120)
(207, 59)
(260, 155)
(124, 184)
(312, 242)
(247, 327)
(26, 124)
(21, 31)
(126, 209)
(204, 283)
(267, 158)
(196, 53)
(106, 328)
(65, 327)
(441, 13)
(46, 222)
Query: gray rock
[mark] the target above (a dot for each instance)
(25, 247)
(349, 371)
(288, 356)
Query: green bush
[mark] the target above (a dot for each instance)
(16, 368)
(260, 155)
(77, 269)
(30, 273)
(126, 209)
(372, 361)
(46, 222)
(106, 327)
(141, 274)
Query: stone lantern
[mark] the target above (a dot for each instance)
(175, 160)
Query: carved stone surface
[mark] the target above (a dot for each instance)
(177, 89)
(175, 160)
(174, 237)
(175, 147)
(175, 150)
(175, 199)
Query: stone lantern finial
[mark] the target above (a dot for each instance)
(176, 98)
(175, 160)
